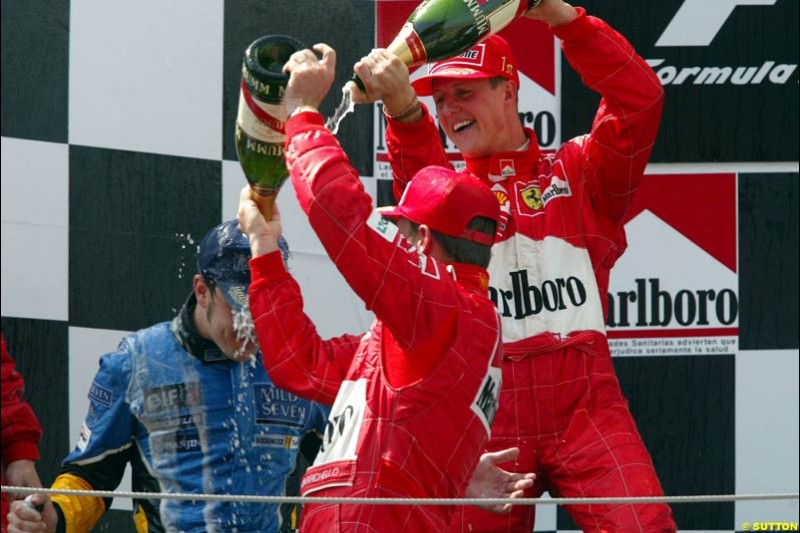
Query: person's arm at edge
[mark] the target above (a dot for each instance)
(109, 439)
(21, 430)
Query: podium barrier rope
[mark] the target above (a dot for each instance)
(405, 501)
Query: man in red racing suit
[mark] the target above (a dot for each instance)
(561, 231)
(413, 398)
(20, 433)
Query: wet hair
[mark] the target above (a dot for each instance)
(464, 250)
(210, 283)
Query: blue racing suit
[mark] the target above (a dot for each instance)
(188, 419)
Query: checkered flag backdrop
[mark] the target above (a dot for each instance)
(118, 155)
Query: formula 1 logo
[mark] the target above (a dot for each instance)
(697, 22)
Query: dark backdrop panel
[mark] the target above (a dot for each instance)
(768, 261)
(708, 122)
(135, 222)
(684, 409)
(35, 65)
(346, 25)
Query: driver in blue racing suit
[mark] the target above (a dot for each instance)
(189, 405)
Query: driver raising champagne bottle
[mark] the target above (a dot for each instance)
(560, 233)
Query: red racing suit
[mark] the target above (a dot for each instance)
(414, 397)
(562, 233)
(20, 427)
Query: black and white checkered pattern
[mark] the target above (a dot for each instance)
(118, 155)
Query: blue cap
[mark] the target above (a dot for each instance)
(224, 257)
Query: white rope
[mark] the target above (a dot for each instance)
(404, 501)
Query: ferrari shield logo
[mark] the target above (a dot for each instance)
(532, 196)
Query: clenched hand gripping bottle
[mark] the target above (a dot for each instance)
(260, 122)
(441, 29)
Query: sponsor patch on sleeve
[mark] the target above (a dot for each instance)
(100, 394)
(488, 398)
(381, 226)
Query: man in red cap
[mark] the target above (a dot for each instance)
(413, 398)
(560, 232)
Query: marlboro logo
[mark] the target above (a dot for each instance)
(676, 287)
(507, 167)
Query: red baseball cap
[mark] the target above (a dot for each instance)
(447, 201)
(487, 59)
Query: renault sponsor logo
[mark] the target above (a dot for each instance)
(84, 437)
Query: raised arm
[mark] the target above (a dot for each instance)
(411, 135)
(294, 355)
(626, 124)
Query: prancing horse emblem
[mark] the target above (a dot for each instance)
(532, 196)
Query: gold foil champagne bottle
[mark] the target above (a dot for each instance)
(260, 121)
(441, 29)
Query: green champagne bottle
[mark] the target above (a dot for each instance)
(260, 122)
(441, 29)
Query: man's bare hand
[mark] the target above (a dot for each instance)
(386, 78)
(262, 234)
(310, 78)
(491, 481)
(24, 519)
(552, 12)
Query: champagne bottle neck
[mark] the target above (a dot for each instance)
(408, 46)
